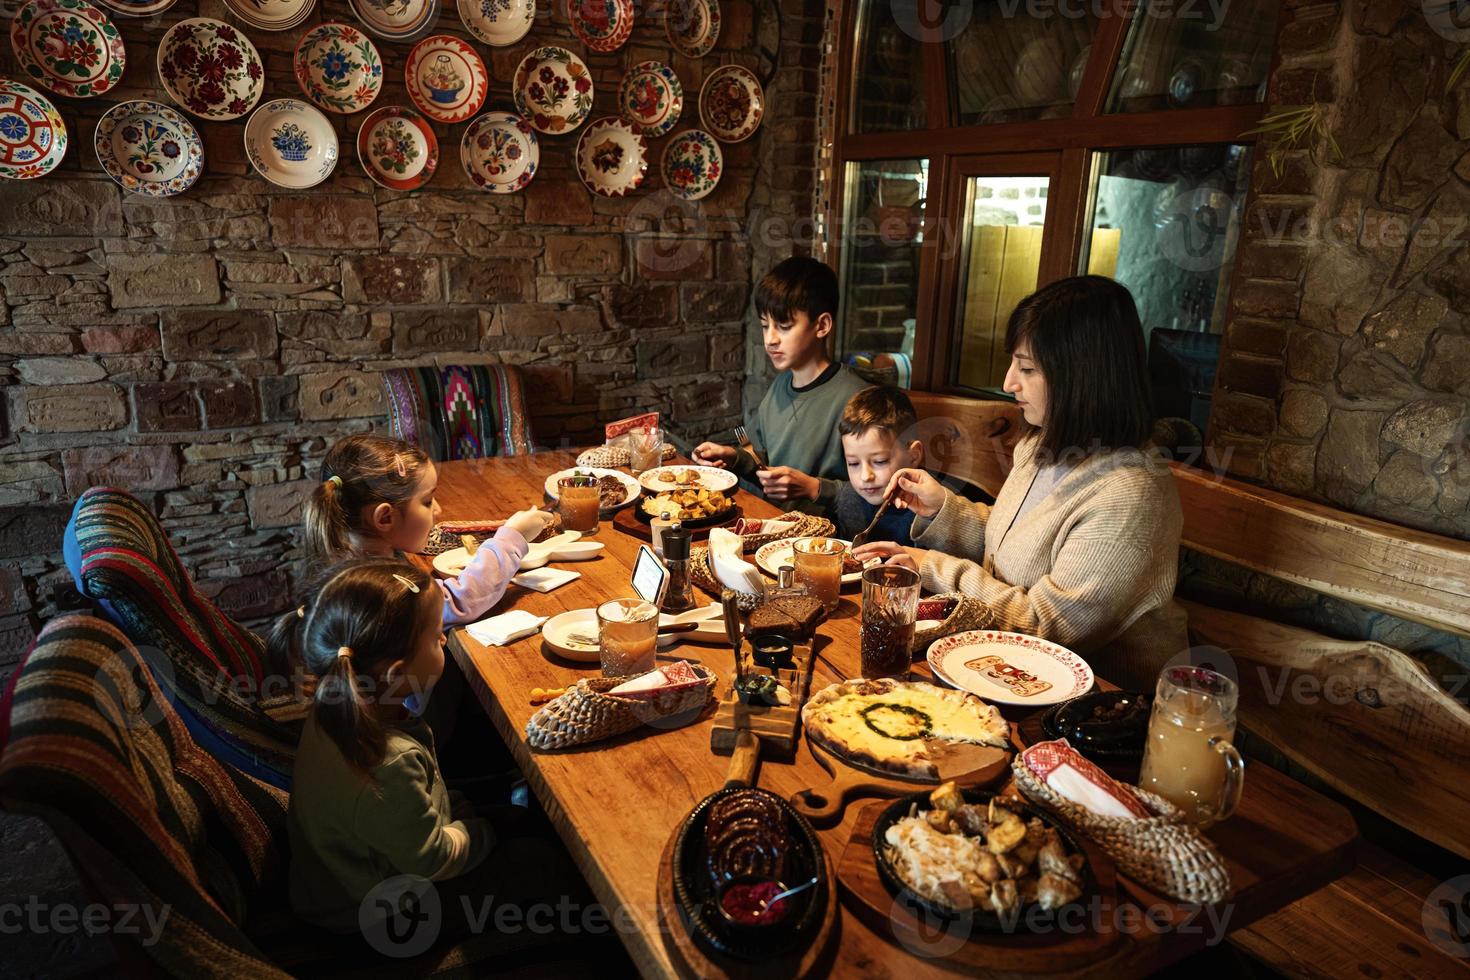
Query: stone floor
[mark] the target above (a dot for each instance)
(35, 865)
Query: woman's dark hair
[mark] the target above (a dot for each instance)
(358, 471)
(1084, 334)
(367, 613)
(797, 285)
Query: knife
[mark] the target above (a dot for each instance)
(729, 600)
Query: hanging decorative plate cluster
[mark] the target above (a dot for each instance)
(32, 133)
(271, 15)
(210, 68)
(69, 47)
(602, 25)
(148, 148)
(446, 78)
(499, 23)
(692, 164)
(338, 68)
(692, 26)
(731, 103)
(553, 90)
(650, 98)
(397, 148)
(291, 144)
(611, 158)
(396, 20)
(500, 152)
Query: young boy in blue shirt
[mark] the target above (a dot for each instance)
(877, 429)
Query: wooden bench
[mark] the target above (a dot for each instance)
(1366, 719)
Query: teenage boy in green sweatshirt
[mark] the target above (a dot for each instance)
(794, 428)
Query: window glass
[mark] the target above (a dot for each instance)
(888, 73)
(1190, 56)
(1007, 66)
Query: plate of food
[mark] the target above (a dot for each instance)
(770, 557)
(669, 478)
(1010, 668)
(1103, 724)
(615, 489)
(563, 546)
(694, 508)
(995, 862)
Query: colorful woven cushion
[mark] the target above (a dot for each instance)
(459, 411)
(91, 746)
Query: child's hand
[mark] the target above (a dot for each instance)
(529, 523)
(784, 483)
(917, 491)
(714, 454)
(892, 554)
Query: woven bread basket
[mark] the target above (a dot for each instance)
(609, 457)
(1163, 852)
(967, 614)
(587, 713)
(807, 526)
(703, 576)
(445, 535)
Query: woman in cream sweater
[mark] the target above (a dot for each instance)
(1082, 544)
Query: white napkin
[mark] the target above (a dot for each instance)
(732, 570)
(764, 527)
(505, 629)
(546, 579)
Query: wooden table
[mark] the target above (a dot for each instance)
(615, 803)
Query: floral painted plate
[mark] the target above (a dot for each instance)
(397, 148)
(500, 152)
(446, 78)
(137, 8)
(338, 68)
(210, 68)
(650, 98)
(553, 90)
(32, 133)
(602, 25)
(148, 148)
(612, 159)
(499, 23)
(271, 15)
(692, 26)
(291, 144)
(396, 20)
(69, 47)
(692, 164)
(731, 103)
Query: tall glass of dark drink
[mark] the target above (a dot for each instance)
(890, 606)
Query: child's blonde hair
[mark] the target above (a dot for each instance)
(359, 471)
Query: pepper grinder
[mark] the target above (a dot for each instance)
(679, 596)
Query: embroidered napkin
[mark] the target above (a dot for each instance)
(505, 629)
(731, 570)
(546, 579)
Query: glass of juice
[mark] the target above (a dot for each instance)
(578, 503)
(890, 608)
(646, 449)
(1189, 759)
(819, 568)
(627, 637)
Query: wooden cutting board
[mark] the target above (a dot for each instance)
(777, 726)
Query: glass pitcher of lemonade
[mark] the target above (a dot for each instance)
(1189, 759)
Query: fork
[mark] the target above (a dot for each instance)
(861, 537)
(745, 444)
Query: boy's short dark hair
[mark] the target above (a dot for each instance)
(797, 285)
(878, 407)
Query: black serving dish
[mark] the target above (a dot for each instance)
(714, 520)
(1121, 738)
(773, 651)
(1029, 917)
(696, 889)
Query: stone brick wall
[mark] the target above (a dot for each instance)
(205, 350)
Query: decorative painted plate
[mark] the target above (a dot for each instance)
(137, 8)
(499, 23)
(338, 68)
(69, 47)
(602, 25)
(271, 15)
(446, 78)
(500, 152)
(553, 90)
(692, 164)
(396, 20)
(32, 133)
(612, 159)
(148, 148)
(692, 26)
(651, 98)
(731, 103)
(397, 148)
(291, 144)
(210, 68)
(1009, 668)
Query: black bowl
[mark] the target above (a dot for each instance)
(1123, 738)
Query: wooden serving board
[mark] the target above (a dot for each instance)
(973, 949)
(775, 725)
(627, 522)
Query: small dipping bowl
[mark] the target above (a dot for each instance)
(738, 899)
(773, 652)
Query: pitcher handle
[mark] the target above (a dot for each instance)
(1234, 777)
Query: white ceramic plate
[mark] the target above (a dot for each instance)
(499, 23)
(565, 546)
(396, 20)
(651, 98)
(553, 90)
(692, 26)
(271, 15)
(291, 144)
(731, 103)
(692, 164)
(69, 46)
(148, 148)
(338, 68)
(210, 68)
(397, 149)
(770, 557)
(446, 78)
(1040, 672)
(634, 490)
(557, 632)
(500, 152)
(602, 25)
(709, 619)
(32, 133)
(611, 158)
(710, 478)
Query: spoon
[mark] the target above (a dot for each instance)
(790, 891)
(861, 537)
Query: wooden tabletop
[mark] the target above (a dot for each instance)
(615, 803)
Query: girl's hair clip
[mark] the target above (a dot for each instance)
(300, 612)
(399, 465)
(344, 652)
(407, 583)
(334, 478)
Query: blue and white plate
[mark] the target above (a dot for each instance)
(291, 144)
(499, 23)
(148, 148)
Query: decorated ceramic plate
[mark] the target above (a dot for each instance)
(137, 8)
(148, 148)
(338, 68)
(602, 25)
(500, 152)
(271, 15)
(692, 163)
(731, 103)
(611, 158)
(499, 23)
(397, 148)
(692, 26)
(396, 20)
(446, 78)
(32, 133)
(666, 479)
(1009, 668)
(651, 98)
(210, 68)
(68, 46)
(291, 143)
(553, 90)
